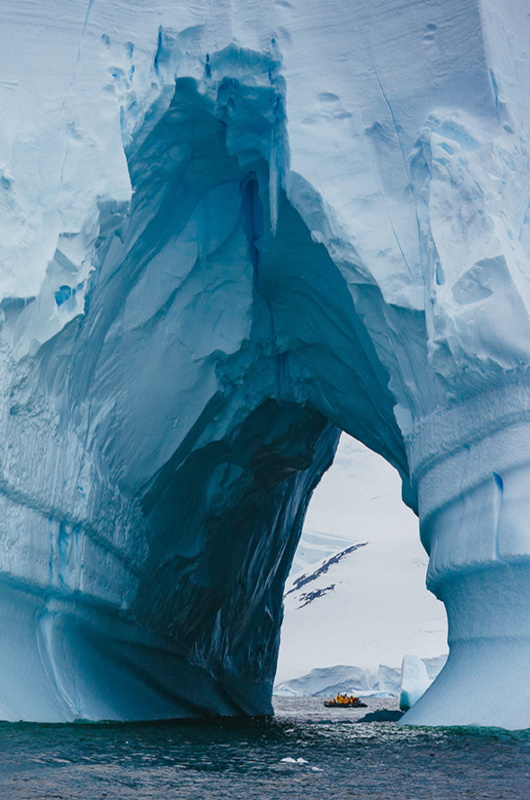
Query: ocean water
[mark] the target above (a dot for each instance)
(330, 754)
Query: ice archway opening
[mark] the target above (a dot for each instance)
(356, 594)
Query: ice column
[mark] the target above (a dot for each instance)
(471, 466)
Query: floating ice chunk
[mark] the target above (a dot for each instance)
(414, 681)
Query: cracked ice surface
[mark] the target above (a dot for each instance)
(228, 231)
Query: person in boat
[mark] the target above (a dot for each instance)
(345, 700)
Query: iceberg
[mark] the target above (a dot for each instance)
(229, 232)
(414, 677)
(414, 681)
(329, 681)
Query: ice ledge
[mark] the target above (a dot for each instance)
(454, 427)
(458, 448)
(470, 465)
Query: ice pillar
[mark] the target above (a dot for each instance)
(471, 465)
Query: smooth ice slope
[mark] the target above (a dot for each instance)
(229, 230)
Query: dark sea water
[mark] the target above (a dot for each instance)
(342, 758)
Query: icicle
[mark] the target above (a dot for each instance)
(274, 184)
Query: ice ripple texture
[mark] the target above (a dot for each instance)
(227, 234)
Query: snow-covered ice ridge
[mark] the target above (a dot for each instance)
(228, 231)
(329, 681)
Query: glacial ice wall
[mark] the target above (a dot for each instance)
(229, 231)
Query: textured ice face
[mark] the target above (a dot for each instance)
(226, 234)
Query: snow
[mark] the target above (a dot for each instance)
(228, 232)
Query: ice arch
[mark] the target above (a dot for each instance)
(212, 264)
(193, 375)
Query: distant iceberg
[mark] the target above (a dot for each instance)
(383, 682)
(414, 682)
(329, 681)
